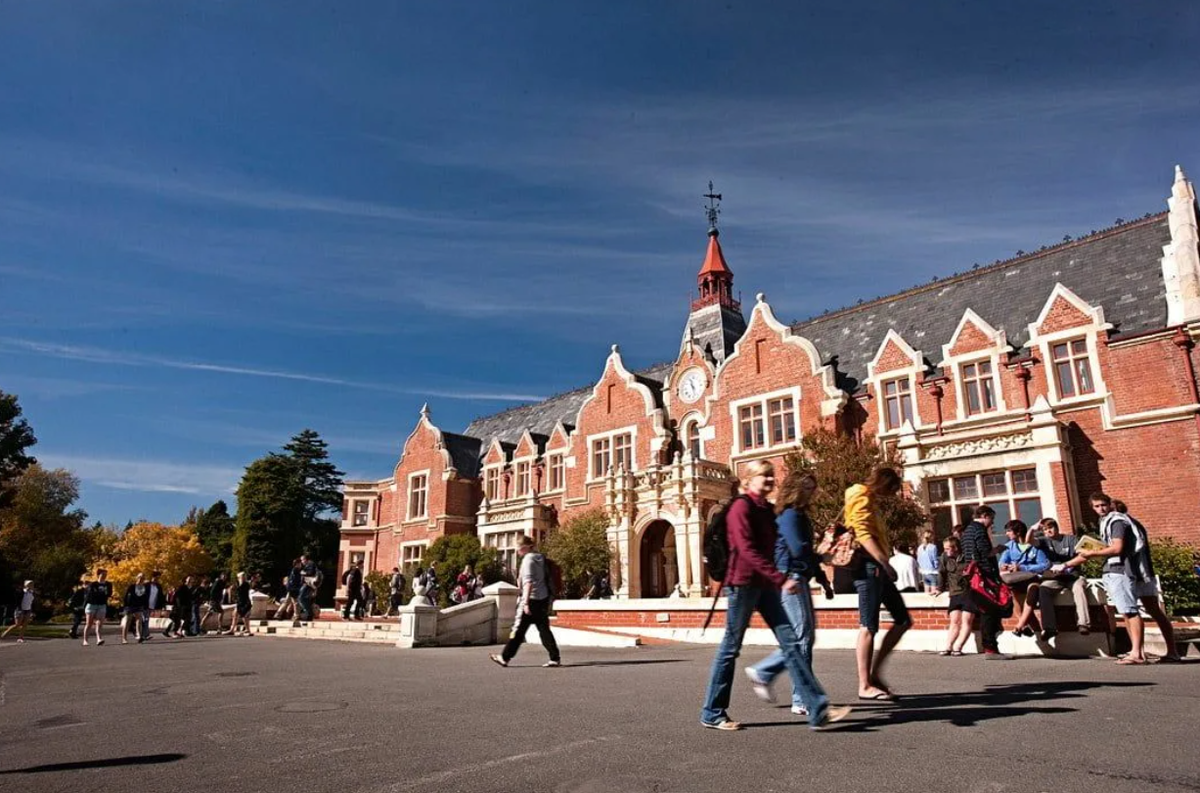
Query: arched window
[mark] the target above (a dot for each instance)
(691, 439)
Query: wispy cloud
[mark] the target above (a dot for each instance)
(119, 358)
(148, 476)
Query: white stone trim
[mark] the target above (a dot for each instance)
(699, 419)
(955, 364)
(876, 380)
(422, 544)
(1041, 344)
(408, 516)
(769, 449)
(655, 413)
(597, 477)
(833, 398)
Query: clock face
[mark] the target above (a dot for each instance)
(691, 385)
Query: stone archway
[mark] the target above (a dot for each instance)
(659, 566)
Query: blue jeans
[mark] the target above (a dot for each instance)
(195, 626)
(799, 609)
(930, 580)
(144, 622)
(306, 597)
(743, 602)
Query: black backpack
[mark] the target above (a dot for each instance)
(554, 578)
(716, 544)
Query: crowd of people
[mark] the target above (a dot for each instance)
(194, 607)
(774, 561)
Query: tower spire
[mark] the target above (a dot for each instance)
(716, 322)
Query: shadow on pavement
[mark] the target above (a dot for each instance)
(629, 663)
(966, 708)
(109, 762)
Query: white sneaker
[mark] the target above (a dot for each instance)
(551, 663)
(799, 710)
(762, 690)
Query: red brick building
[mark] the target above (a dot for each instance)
(1026, 385)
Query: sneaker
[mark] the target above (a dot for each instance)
(728, 725)
(498, 660)
(551, 663)
(832, 716)
(1045, 636)
(20, 641)
(99, 642)
(799, 710)
(762, 689)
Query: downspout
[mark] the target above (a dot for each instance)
(1024, 375)
(1185, 344)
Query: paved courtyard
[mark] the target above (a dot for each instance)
(262, 714)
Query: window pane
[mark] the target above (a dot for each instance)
(994, 484)
(985, 367)
(1079, 347)
(1084, 371)
(1066, 383)
(939, 490)
(1003, 516)
(907, 408)
(1058, 352)
(893, 413)
(989, 393)
(973, 396)
(1025, 481)
(889, 388)
(965, 487)
(943, 521)
(1029, 510)
(964, 513)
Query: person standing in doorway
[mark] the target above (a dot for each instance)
(24, 613)
(754, 584)
(875, 580)
(795, 558)
(533, 607)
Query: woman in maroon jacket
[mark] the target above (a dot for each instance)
(754, 584)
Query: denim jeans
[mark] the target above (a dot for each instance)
(799, 609)
(306, 597)
(743, 602)
(144, 624)
(875, 589)
(195, 627)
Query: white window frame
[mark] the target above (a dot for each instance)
(964, 411)
(875, 380)
(1042, 344)
(1072, 359)
(763, 401)
(523, 467)
(493, 479)
(693, 421)
(910, 392)
(631, 431)
(408, 497)
(355, 514)
(954, 503)
(561, 457)
(419, 545)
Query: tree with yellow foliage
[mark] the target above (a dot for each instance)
(175, 551)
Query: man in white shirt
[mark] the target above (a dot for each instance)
(24, 613)
(905, 565)
(533, 607)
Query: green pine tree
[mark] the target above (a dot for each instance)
(215, 528)
(267, 534)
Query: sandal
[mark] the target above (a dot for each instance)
(956, 653)
(945, 652)
(1127, 661)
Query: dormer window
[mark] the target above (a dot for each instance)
(1072, 368)
(491, 483)
(556, 472)
(897, 402)
(979, 387)
(523, 475)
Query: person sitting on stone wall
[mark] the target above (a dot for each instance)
(1060, 549)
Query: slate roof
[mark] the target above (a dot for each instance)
(542, 416)
(465, 453)
(1118, 269)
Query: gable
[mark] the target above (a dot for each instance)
(1062, 315)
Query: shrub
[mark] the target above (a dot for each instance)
(380, 584)
(1175, 564)
(452, 553)
(580, 548)
(839, 461)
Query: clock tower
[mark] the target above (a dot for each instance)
(716, 321)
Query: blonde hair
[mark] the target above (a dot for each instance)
(756, 468)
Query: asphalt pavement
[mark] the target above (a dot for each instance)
(223, 715)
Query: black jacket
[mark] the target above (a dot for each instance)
(216, 594)
(183, 598)
(135, 601)
(977, 547)
(353, 578)
(98, 593)
(78, 599)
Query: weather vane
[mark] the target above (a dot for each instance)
(712, 210)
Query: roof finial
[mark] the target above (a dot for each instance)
(425, 411)
(713, 210)
(1180, 176)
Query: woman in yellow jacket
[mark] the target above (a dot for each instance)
(874, 579)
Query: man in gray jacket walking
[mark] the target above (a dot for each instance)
(533, 607)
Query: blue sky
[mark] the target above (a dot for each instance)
(223, 222)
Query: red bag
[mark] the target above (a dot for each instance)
(993, 596)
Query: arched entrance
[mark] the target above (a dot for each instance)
(659, 566)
